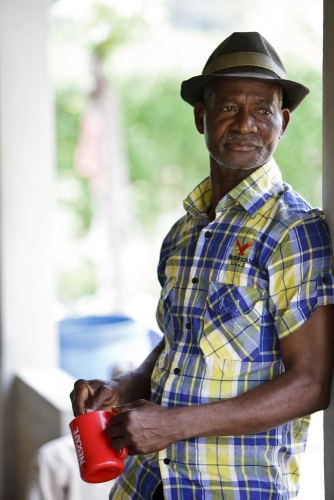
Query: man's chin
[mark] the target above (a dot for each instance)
(241, 161)
(239, 166)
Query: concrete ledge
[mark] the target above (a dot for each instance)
(44, 412)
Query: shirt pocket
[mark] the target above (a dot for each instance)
(164, 313)
(232, 322)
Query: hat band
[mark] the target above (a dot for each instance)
(244, 59)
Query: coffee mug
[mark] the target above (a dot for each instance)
(98, 461)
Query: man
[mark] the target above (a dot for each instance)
(246, 308)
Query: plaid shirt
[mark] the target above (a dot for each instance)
(231, 289)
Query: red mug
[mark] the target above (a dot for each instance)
(98, 461)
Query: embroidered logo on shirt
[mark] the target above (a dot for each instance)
(243, 248)
(240, 259)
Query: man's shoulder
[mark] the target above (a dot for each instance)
(295, 220)
(293, 208)
(176, 230)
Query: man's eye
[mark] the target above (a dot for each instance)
(228, 108)
(264, 111)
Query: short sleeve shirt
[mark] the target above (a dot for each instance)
(231, 289)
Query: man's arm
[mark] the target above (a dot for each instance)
(302, 389)
(102, 394)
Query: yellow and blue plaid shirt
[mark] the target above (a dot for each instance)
(231, 289)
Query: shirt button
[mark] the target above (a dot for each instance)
(166, 461)
(177, 371)
(195, 280)
(188, 326)
(208, 234)
(324, 280)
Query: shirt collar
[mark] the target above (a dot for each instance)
(198, 202)
(252, 193)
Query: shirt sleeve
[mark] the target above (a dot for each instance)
(300, 275)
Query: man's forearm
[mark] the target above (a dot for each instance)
(149, 427)
(302, 389)
(137, 383)
(270, 405)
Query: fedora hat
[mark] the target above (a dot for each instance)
(245, 55)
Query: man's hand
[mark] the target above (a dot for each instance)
(143, 426)
(94, 395)
(102, 394)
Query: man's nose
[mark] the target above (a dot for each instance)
(244, 122)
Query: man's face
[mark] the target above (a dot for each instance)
(242, 122)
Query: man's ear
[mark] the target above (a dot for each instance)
(199, 111)
(285, 122)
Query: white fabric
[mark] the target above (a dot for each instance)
(54, 475)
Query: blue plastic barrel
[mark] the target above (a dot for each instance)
(92, 346)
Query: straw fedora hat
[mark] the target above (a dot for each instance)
(245, 55)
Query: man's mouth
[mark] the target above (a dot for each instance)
(241, 146)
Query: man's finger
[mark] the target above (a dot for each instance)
(118, 443)
(79, 396)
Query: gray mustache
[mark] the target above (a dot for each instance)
(242, 139)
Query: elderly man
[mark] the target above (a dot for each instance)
(220, 407)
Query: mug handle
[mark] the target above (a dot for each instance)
(122, 453)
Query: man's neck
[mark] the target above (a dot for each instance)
(223, 180)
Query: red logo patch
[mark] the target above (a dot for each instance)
(243, 248)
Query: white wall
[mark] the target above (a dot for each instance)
(328, 190)
(45, 412)
(26, 170)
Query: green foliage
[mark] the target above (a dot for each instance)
(107, 30)
(74, 189)
(166, 154)
(299, 154)
(78, 282)
(69, 105)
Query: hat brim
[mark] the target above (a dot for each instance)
(192, 89)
